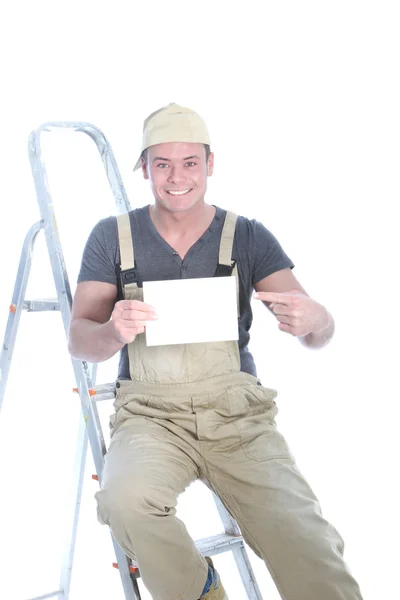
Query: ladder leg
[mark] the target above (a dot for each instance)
(246, 573)
(72, 521)
(17, 304)
(239, 552)
(129, 583)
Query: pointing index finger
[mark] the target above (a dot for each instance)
(272, 297)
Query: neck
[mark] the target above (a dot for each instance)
(182, 223)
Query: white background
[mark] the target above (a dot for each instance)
(302, 101)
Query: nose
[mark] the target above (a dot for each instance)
(176, 174)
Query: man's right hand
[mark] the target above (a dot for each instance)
(129, 318)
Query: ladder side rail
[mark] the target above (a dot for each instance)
(90, 415)
(71, 523)
(50, 226)
(46, 203)
(129, 583)
(104, 148)
(58, 263)
(78, 475)
(81, 370)
(62, 285)
(110, 165)
(246, 573)
(17, 303)
(239, 552)
(92, 367)
(228, 521)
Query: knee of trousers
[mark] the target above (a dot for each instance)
(130, 504)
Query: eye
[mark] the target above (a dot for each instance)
(162, 165)
(190, 164)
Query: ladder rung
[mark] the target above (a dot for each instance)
(104, 391)
(217, 544)
(41, 305)
(52, 595)
(224, 542)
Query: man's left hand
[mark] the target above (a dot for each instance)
(297, 313)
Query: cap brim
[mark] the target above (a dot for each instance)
(138, 164)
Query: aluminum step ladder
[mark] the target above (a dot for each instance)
(90, 394)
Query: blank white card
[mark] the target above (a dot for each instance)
(192, 310)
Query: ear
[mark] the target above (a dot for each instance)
(144, 169)
(210, 164)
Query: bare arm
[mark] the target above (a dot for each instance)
(296, 312)
(91, 335)
(99, 326)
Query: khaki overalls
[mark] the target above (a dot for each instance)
(188, 412)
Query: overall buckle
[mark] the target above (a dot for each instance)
(224, 270)
(130, 276)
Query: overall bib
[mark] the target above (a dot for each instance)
(189, 413)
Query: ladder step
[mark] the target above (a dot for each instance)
(40, 305)
(104, 391)
(52, 595)
(224, 542)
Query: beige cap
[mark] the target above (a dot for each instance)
(173, 123)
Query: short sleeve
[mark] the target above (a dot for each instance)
(98, 260)
(269, 255)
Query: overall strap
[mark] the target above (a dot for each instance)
(227, 236)
(129, 276)
(226, 265)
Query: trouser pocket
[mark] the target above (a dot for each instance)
(259, 438)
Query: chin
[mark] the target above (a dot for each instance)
(178, 205)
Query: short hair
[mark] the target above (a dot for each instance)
(206, 146)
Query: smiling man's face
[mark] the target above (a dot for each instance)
(178, 174)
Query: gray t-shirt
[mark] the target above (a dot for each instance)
(257, 252)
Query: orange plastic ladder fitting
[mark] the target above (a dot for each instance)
(131, 569)
(92, 392)
(13, 308)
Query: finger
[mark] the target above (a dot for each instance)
(128, 334)
(286, 328)
(139, 325)
(135, 305)
(281, 309)
(273, 297)
(135, 315)
(284, 319)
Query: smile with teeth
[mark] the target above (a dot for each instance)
(178, 192)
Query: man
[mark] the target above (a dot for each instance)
(198, 411)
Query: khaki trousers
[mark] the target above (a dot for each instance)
(223, 431)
